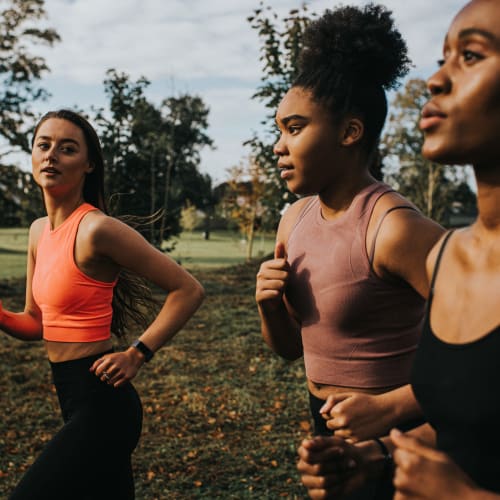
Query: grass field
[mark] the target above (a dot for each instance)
(13, 245)
(224, 248)
(222, 414)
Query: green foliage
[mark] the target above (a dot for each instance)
(152, 153)
(20, 70)
(223, 415)
(434, 188)
(281, 42)
(243, 199)
(20, 199)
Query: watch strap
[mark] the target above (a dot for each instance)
(140, 346)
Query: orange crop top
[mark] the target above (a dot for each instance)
(75, 307)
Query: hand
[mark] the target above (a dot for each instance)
(423, 472)
(330, 467)
(119, 367)
(356, 416)
(272, 278)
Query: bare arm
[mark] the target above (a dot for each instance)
(402, 245)
(128, 249)
(279, 326)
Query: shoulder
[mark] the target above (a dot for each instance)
(290, 217)
(101, 229)
(441, 244)
(399, 219)
(36, 230)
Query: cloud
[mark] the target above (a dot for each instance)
(201, 47)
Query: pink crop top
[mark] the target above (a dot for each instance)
(75, 307)
(358, 330)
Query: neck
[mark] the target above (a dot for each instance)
(488, 198)
(58, 210)
(336, 199)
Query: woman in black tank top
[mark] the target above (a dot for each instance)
(456, 373)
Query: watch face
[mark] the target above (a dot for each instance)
(148, 354)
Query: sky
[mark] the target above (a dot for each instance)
(199, 47)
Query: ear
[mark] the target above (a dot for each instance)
(354, 130)
(90, 168)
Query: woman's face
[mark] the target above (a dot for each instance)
(461, 121)
(308, 145)
(59, 156)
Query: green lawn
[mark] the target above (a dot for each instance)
(224, 248)
(13, 245)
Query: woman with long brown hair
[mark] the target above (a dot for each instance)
(80, 287)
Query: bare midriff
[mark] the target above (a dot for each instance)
(66, 351)
(322, 391)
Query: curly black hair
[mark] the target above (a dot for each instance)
(350, 56)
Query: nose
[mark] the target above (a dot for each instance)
(279, 148)
(439, 82)
(50, 154)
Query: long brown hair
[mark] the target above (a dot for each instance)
(133, 301)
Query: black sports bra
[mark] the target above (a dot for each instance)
(458, 388)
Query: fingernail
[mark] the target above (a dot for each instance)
(396, 432)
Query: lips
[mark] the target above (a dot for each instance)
(431, 116)
(285, 170)
(49, 170)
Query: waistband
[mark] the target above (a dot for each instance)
(75, 368)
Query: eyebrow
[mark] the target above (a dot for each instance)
(289, 118)
(477, 31)
(65, 139)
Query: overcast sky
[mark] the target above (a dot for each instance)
(202, 47)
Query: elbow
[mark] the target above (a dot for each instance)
(197, 294)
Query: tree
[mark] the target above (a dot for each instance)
(153, 153)
(281, 42)
(20, 70)
(20, 199)
(431, 186)
(189, 217)
(243, 199)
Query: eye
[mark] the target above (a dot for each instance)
(43, 146)
(294, 129)
(441, 62)
(68, 149)
(469, 56)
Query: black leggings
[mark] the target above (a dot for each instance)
(90, 457)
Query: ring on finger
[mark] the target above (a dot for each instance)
(106, 376)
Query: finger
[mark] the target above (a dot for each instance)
(336, 423)
(96, 364)
(414, 445)
(333, 400)
(279, 251)
(345, 433)
(321, 442)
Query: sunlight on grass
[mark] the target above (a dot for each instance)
(224, 248)
(13, 247)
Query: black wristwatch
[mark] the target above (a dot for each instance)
(140, 346)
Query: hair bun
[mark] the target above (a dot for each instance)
(357, 43)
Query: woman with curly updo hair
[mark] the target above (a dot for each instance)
(347, 286)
